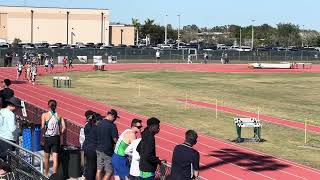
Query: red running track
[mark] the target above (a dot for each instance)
(222, 68)
(219, 159)
(275, 120)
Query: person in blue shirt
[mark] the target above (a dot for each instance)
(107, 136)
(185, 159)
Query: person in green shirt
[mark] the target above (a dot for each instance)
(119, 158)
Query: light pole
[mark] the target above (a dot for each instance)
(165, 30)
(302, 36)
(240, 41)
(252, 34)
(179, 16)
(121, 36)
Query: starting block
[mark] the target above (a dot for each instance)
(248, 122)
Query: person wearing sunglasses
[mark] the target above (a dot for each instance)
(119, 158)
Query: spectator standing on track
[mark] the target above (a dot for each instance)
(6, 92)
(70, 62)
(135, 159)
(65, 60)
(157, 56)
(54, 126)
(147, 150)
(107, 136)
(46, 64)
(8, 124)
(51, 65)
(119, 157)
(205, 58)
(185, 159)
(189, 59)
(6, 59)
(90, 145)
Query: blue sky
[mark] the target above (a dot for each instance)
(200, 12)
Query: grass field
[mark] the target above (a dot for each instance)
(290, 96)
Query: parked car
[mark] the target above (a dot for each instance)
(4, 46)
(98, 45)
(105, 47)
(122, 46)
(90, 45)
(28, 46)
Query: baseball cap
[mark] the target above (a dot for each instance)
(114, 113)
(14, 101)
(153, 121)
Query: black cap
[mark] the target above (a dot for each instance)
(153, 121)
(114, 113)
(14, 101)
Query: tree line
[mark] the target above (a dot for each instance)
(284, 34)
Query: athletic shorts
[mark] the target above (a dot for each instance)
(19, 72)
(104, 162)
(120, 166)
(45, 65)
(52, 144)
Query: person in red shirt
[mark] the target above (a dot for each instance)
(65, 60)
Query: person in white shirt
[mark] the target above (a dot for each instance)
(8, 125)
(135, 158)
(157, 56)
(189, 59)
(46, 64)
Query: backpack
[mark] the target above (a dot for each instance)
(53, 126)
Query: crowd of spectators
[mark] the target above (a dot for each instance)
(107, 155)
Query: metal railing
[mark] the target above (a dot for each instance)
(27, 155)
(21, 170)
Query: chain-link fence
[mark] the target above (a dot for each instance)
(147, 55)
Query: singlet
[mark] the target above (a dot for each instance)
(19, 67)
(34, 70)
(46, 62)
(121, 146)
(52, 125)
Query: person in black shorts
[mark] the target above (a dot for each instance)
(185, 159)
(54, 126)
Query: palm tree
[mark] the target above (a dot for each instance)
(136, 24)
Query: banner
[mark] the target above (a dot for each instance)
(60, 59)
(24, 111)
(97, 59)
(83, 59)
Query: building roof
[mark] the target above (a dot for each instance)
(119, 25)
(53, 7)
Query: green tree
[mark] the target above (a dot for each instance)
(288, 34)
(16, 41)
(136, 24)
